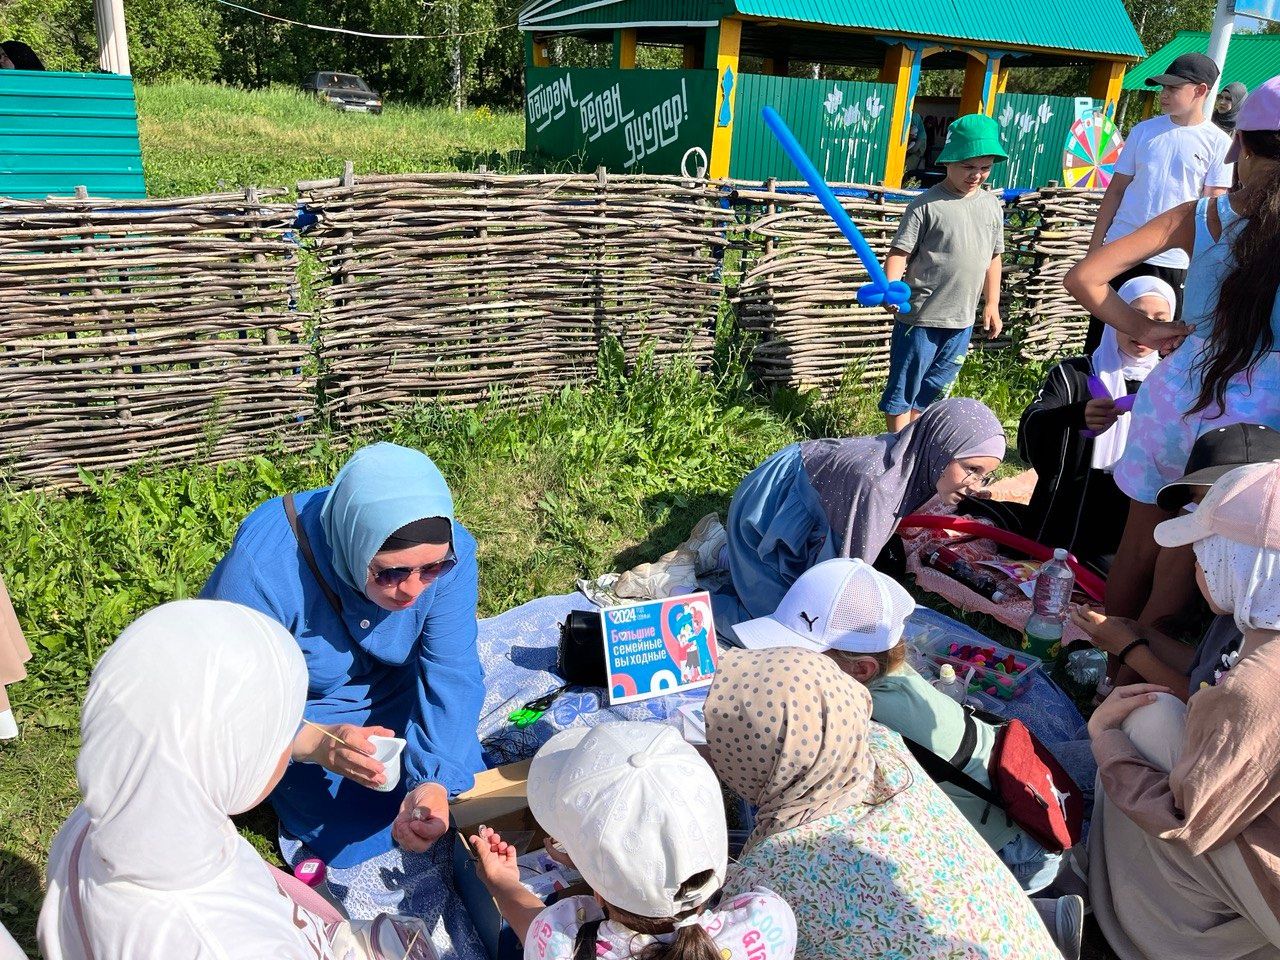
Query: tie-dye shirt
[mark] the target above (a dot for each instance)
(1162, 431)
(750, 926)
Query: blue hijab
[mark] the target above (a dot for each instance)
(379, 490)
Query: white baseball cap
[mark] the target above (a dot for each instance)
(835, 605)
(639, 812)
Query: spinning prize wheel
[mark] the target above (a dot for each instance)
(1089, 157)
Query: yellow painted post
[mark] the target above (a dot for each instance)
(897, 70)
(1104, 84)
(536, 51)
(975, 73)
(989, 106)
(726, 62)
(1002, 83)
(1148, 105)
(624, 49)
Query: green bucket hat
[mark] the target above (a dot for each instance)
(973, 135)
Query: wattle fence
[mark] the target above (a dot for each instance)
(218, 326)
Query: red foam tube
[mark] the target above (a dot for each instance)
(1089, 582)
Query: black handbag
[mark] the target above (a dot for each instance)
(580, 659)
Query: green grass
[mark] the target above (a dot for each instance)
(595, 479)
(200, 137)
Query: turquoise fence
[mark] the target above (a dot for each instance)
(844, 126)
(59, 131)
(1034, 129)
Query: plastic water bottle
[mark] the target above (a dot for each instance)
(1084, 670)
(950, 684)
(1043, 636)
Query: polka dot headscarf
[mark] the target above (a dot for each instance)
(787, 730)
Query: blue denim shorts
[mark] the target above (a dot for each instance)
(923, 363)
(1032, 865)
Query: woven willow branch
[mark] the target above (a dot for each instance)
(146, 330)
(164, 330)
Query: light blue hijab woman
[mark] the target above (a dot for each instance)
(385, 614)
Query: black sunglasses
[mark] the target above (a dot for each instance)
(394, 576)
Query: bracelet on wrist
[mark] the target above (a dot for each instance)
(1140, 642)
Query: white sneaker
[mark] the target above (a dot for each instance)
(706, 540)
(8, 726)
(672, 574)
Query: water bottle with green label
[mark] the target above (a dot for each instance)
(1043, 635)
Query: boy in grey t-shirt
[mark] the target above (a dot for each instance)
(948, 249)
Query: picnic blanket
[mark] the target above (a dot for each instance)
(518, 654)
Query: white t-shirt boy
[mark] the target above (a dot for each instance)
(1170, 164)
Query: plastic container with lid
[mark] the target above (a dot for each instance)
(998, 671)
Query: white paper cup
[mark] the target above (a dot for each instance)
(388, 750)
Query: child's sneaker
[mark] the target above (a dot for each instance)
(8, 726)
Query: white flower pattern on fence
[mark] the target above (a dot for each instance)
(1018, 128)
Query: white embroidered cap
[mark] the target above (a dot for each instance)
(639, 812)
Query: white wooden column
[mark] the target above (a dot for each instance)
(113, 39)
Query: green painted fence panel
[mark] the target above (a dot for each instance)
(59, 131)
(631, 121)
(1034, 130)
(843, 126)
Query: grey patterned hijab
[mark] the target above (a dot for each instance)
(867, 484)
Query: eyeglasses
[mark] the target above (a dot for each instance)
(394, 576)
(975, 477)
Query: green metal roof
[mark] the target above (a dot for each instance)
(1251, 58)
(1038, 24)
(598, 15)
(1043, 24)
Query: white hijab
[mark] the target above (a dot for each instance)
(1114, 367)
(1242, 579)
(186, 719)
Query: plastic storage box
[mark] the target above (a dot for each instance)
(936, 645)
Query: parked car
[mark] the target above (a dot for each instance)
(345, 91)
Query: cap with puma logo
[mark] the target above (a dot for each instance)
(835, 605)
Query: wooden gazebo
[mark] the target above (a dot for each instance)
(738, 55)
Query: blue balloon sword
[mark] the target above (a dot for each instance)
(880, 290)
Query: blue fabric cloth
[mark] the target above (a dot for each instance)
(379, 490)
(518, 650)
(777, 530)
(923, 363)
(415, 671)
(404, 884)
